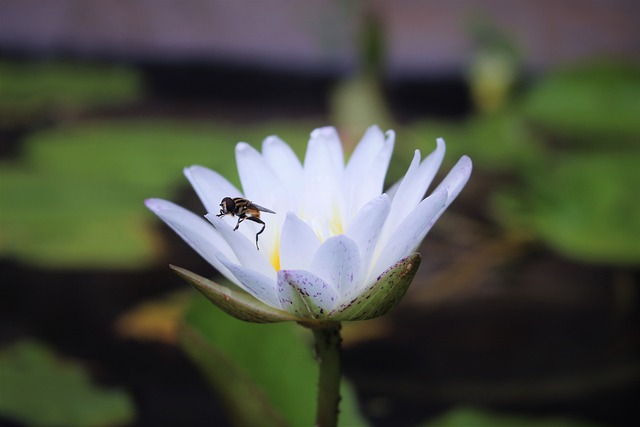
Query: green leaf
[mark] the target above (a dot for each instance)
(32, 88)
(383, 295)
(74, 199)
(39, 389)
(237, 303)
(584, 206)
(264, 373)
(596, 102)
(477, 418)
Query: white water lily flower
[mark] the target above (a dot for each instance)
(338, 248)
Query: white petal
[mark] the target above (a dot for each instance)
(428, 169)
(366, 227)
(284, 162)
(259, 183)
(456, 179)
(320, 292)
(399, 209)
(260, 286)
(337, 262)
(412, 188)
(367, 167)
(244, 248)
(329, 137)
(197, 232)
(298, 244)
(322, 201)
(410, 232)
(210, 186)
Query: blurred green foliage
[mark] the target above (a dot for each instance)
(565, 156)
(498, 143)
(39, 389)
(583, 205)
(469, 417)
(73, 199)
(75, 196)
(596, 103)
(265, 374)
(28, 88)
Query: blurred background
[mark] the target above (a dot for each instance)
(525, 310)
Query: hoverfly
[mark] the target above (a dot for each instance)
(243, 209)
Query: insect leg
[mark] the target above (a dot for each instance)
(240, 219)
(259, 221)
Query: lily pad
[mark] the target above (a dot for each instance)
(30, 88)
(585, 206)
(596, 102)
(39, 389)
(264, 373)
(75, 197)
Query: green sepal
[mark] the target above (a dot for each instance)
(382, 295)
(238, 304)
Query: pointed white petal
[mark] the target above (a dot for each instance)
(197, 232)
(337, 262)
(322, 201)
(409, 234)
(298, 244)
(284, 162)
(210, 186)
(244, 249)
(261, 186)
(328, 136)
(367, 168)
(399, 209)
(428, 169)
(366, 227)
(296, 286)
(456, 179)
(259, 183)
(364, 153)
(411, 190)
(260, 286)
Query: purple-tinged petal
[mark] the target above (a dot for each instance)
(337, 262)
(305, 294)
(238, 304)
(260, 286)
(384, 293)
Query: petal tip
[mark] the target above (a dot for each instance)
(242, 146)
(323, 132)
(156, 205)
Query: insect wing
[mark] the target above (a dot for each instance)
(260, 208)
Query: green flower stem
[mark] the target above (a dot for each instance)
(328, 341)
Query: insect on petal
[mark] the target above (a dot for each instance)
(194, 230)
(210, 186)
(244, 249)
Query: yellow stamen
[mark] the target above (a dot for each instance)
(275, 256)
